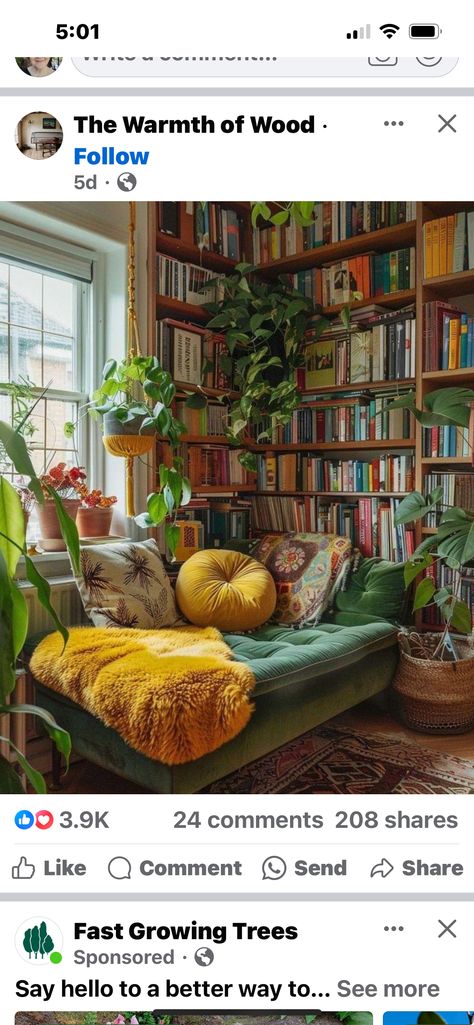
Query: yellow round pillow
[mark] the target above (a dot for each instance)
(227, 590)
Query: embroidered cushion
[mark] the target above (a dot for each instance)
(308, 569)
(225, 589)
(125, 584)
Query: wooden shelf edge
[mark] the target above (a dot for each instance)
(398, 235)
(360, 386)
(391, 299)
(336, 446)
(346, 495)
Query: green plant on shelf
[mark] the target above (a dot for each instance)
(452, 544)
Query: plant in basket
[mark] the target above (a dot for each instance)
(435, 679)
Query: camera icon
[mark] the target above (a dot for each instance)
(383, 62)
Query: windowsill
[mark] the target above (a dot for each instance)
(54, 566)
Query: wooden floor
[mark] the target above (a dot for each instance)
(84, 778)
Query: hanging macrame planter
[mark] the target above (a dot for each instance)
(125, 439)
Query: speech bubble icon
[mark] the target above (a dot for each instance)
(120, 868)
(273, 868)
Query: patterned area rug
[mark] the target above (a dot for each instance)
(336, 760)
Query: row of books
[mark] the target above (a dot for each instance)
(448, 442)
(218, 228)
(185, 281)
(380, 347)
(463, 585)
(458, 489)
(368, 522)
(298, 471)
(371, 275)
(222, 520)
(192, 355)
(349, 418)
(212, 465)
(448, 244)
(333, 222)
(448, 337)
(212, 420)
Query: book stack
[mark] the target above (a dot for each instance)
(301, 472)
(179, 348)
(212, 420)
(370, 275)
(212, 466)
(449, 442)
(368, 522)
(222, 520)
(458, 489)
(362, 418)
(448, 245)
(185, 281)
(381, 346)
(217, 228)
(448, 337)
(333, 222)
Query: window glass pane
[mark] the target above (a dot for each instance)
(3, 291)
(26, 355)
(58, 413)
(58, 306)
(4, 373)
(58, 362)
(25, 297)
(35, 434)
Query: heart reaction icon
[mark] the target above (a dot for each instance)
(44, 819)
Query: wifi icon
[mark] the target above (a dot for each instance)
(389, 30)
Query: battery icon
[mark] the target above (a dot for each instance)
(424, 31)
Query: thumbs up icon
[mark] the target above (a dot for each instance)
(23, 870)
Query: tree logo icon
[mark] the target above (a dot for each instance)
(39, 941)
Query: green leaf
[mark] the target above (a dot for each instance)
(413, 507)
(424, 593)
(345, 316)
(430, 1018)
(60, 737)
(109, 369)
(451, 405)
(10, 782)
(458, 547)
(196, 401)
(186, 491)
(15, 447)
(68, 531)
(172, 537)
(43, 591)
(157, 507)
(169, 499)
(19, 618)
(414, 566)
(249, 461)
(12, 523)
(461, 617)
(406, 401)
(69, 429)
(144, 520)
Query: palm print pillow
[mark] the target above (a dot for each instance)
(125, 584)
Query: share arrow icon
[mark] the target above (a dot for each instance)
(382, 868)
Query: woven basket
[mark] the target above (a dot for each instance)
(433, 696)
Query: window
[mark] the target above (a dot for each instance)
(43, 317)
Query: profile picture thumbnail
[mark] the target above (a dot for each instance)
(39, 135)
(38, 67)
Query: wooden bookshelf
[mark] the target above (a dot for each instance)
(444, 287)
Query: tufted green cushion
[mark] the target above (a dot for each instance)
(375, 590)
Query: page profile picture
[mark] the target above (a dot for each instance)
(38, 67)
(39, 941)
(39, 135)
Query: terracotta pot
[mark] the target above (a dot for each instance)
(94, 522)
(49, 523)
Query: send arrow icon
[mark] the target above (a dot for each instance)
(382, 868)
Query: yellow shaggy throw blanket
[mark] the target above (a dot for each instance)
(172, 694)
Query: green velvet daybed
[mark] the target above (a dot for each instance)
(303, 678)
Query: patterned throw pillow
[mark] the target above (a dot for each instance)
(125, 584)
(308, 570)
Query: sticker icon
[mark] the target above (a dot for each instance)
(39, 941)
(44, 819)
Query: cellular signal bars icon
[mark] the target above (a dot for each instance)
(359, 33)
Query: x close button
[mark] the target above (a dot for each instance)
(447, 123)
(447, 929)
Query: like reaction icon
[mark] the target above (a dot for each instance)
(23, 870)
(24, 819)
(44, 819)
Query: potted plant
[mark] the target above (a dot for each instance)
(94, 516)
(13, 605)
(64, 482)
(434, 684)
